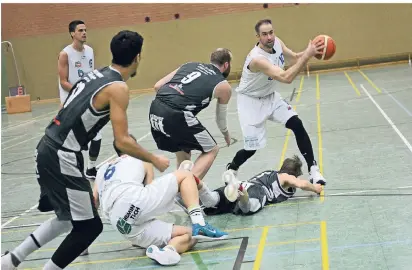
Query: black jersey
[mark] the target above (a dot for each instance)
(274, 191)
(191, 88)
(78, 122)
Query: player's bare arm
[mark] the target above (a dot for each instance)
(164, 80)
(149, 173)
(223, 93)
(286, 76)
(292, 181)
(118, 96)
(96, 195)
(290, 56)
(63, 68)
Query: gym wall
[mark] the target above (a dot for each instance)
(39, 31)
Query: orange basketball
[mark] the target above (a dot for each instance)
(329, 49)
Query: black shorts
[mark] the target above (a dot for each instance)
(223, 207)
(176, 130)
(63, 187)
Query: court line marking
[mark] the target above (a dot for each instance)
(191, 252)
(35, 119)
(371, 83)
(261, 248)
(324, 246)
(398, 102)
(34, 206)
(405, 141)
(320, 153)
(351, 82)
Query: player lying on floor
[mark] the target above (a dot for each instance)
(131, 200)
(249, 197)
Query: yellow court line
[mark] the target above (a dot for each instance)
(320, 161)
(370, 81)
(193, 252)
(261, 247)
(300, 88)
(324, 246)
(351, 82)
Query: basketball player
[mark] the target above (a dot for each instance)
(180, 96)
(249, 197)
(131, 200)
(76, 60)
(258, 99)
(98, 97)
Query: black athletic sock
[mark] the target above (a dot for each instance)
(80, 238)
(94, 153)
(240, 158)
(302, 140)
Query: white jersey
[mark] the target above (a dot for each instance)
(122, 176)
(79, 64)
(257, 84)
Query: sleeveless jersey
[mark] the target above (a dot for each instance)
(79, 63)
(274, 191)
(257, 84)
(191, 88)
(121, 176)
(257, 197)
(78, 122)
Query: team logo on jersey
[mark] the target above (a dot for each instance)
(91, 63)
(123, 224)
(157, 124)
(78, 64)
(178, 88)
(80, 73)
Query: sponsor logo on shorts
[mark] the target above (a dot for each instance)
(124, 224)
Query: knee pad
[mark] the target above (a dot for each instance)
(294, 123)
(90, 228)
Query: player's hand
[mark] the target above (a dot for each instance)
(227, 137)
(318, 188)
(161, 163)
(315, 48)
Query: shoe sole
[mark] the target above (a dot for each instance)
(155, 256)
(204, 237)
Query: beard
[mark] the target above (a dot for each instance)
(226, 72)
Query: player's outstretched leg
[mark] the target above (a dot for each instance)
(190, 195)
(241, 157)
(305, 147)
(204, 162)
(181, 241)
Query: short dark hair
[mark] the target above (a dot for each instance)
(220, 56)
(118, 151)
(292, 166)
(125, 46)
(73, 25)
(259, 23)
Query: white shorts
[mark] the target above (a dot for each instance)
(134, 217)
(253, 113)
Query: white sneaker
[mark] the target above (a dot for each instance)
(232, 185)
(6, 262)
(233, 171)
(315, 177)
(164, 256)
(186, 165)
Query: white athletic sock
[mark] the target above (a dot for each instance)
(91, 164)
(196, 215)
(41, 236)
(50, 265)
(209, 198)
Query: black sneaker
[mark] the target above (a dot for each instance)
(91, 173)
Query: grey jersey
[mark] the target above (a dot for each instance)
(274, 191)
(78, 122)
(191, 88)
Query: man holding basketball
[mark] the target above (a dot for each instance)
(258, 100)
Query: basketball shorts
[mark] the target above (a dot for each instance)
(223, 207)
(175, 130)
(63, 187)
(253, 113)
(134, 216)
